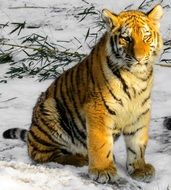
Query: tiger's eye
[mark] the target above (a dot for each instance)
(126, 38)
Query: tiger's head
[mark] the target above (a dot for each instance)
(134, 36)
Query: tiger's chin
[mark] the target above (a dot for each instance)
(137, 67)
(134, 63)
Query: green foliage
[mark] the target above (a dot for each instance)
(39, 57)
(5, 57)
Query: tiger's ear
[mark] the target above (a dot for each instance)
(156, 14)
(111, 20)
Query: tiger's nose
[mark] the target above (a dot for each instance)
(139, 50)
(139, 58)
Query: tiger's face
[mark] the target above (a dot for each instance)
(134, 36)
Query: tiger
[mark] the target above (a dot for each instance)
(78, 118)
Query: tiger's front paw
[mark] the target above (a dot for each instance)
(108, 175)
(145, 173)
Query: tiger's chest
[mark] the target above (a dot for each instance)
(130, 100)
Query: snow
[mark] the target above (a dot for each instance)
(18, 97)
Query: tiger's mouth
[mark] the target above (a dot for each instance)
(133, 62)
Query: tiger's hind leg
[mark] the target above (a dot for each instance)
(70, 159)
(40, 148)
(47, 140)
(136, 144)
(43, 148)
(45, 151)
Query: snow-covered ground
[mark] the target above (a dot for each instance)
(57, 20)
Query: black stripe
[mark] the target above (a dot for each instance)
(89, 67)
(132, 151)
(91, 62)
(43, 110)
(109, 87)
(10, 133)
(78, 81)
(115, 38)
(75, 104)
(105, 104)
(55, 88)
(146, 99)
(77, 134)
(141, 151)
(44, 121)
(86, 72)
(116, 46)
(116, 136)
(125, 86)
(143, 90)
(85, 77)
(134, 90)
(107, 107)
(38, 150)
(126, 24)
(132, 132)
(111, 66)
(41, 141)
(65, 152)
(23, 134)
(6, 134)
(65, 105)
(141, 21)
(13, 133)
(112, 45)
(50, 147)
(150, 74)
(145, 78)
(67, 84)
(141, 78)
(129, 22)
(45, 133)
(83, 72)
(63, 119)
(108, 154)
(138, 118)
(152, 46)
(102, 145)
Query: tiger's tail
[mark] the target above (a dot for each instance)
(16, 133)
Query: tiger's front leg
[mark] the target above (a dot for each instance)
(100, 145)
(136, 142)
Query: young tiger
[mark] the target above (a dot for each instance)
(108, 93)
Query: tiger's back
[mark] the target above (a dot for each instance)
(108, 93)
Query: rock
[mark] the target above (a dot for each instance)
(167, 122)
